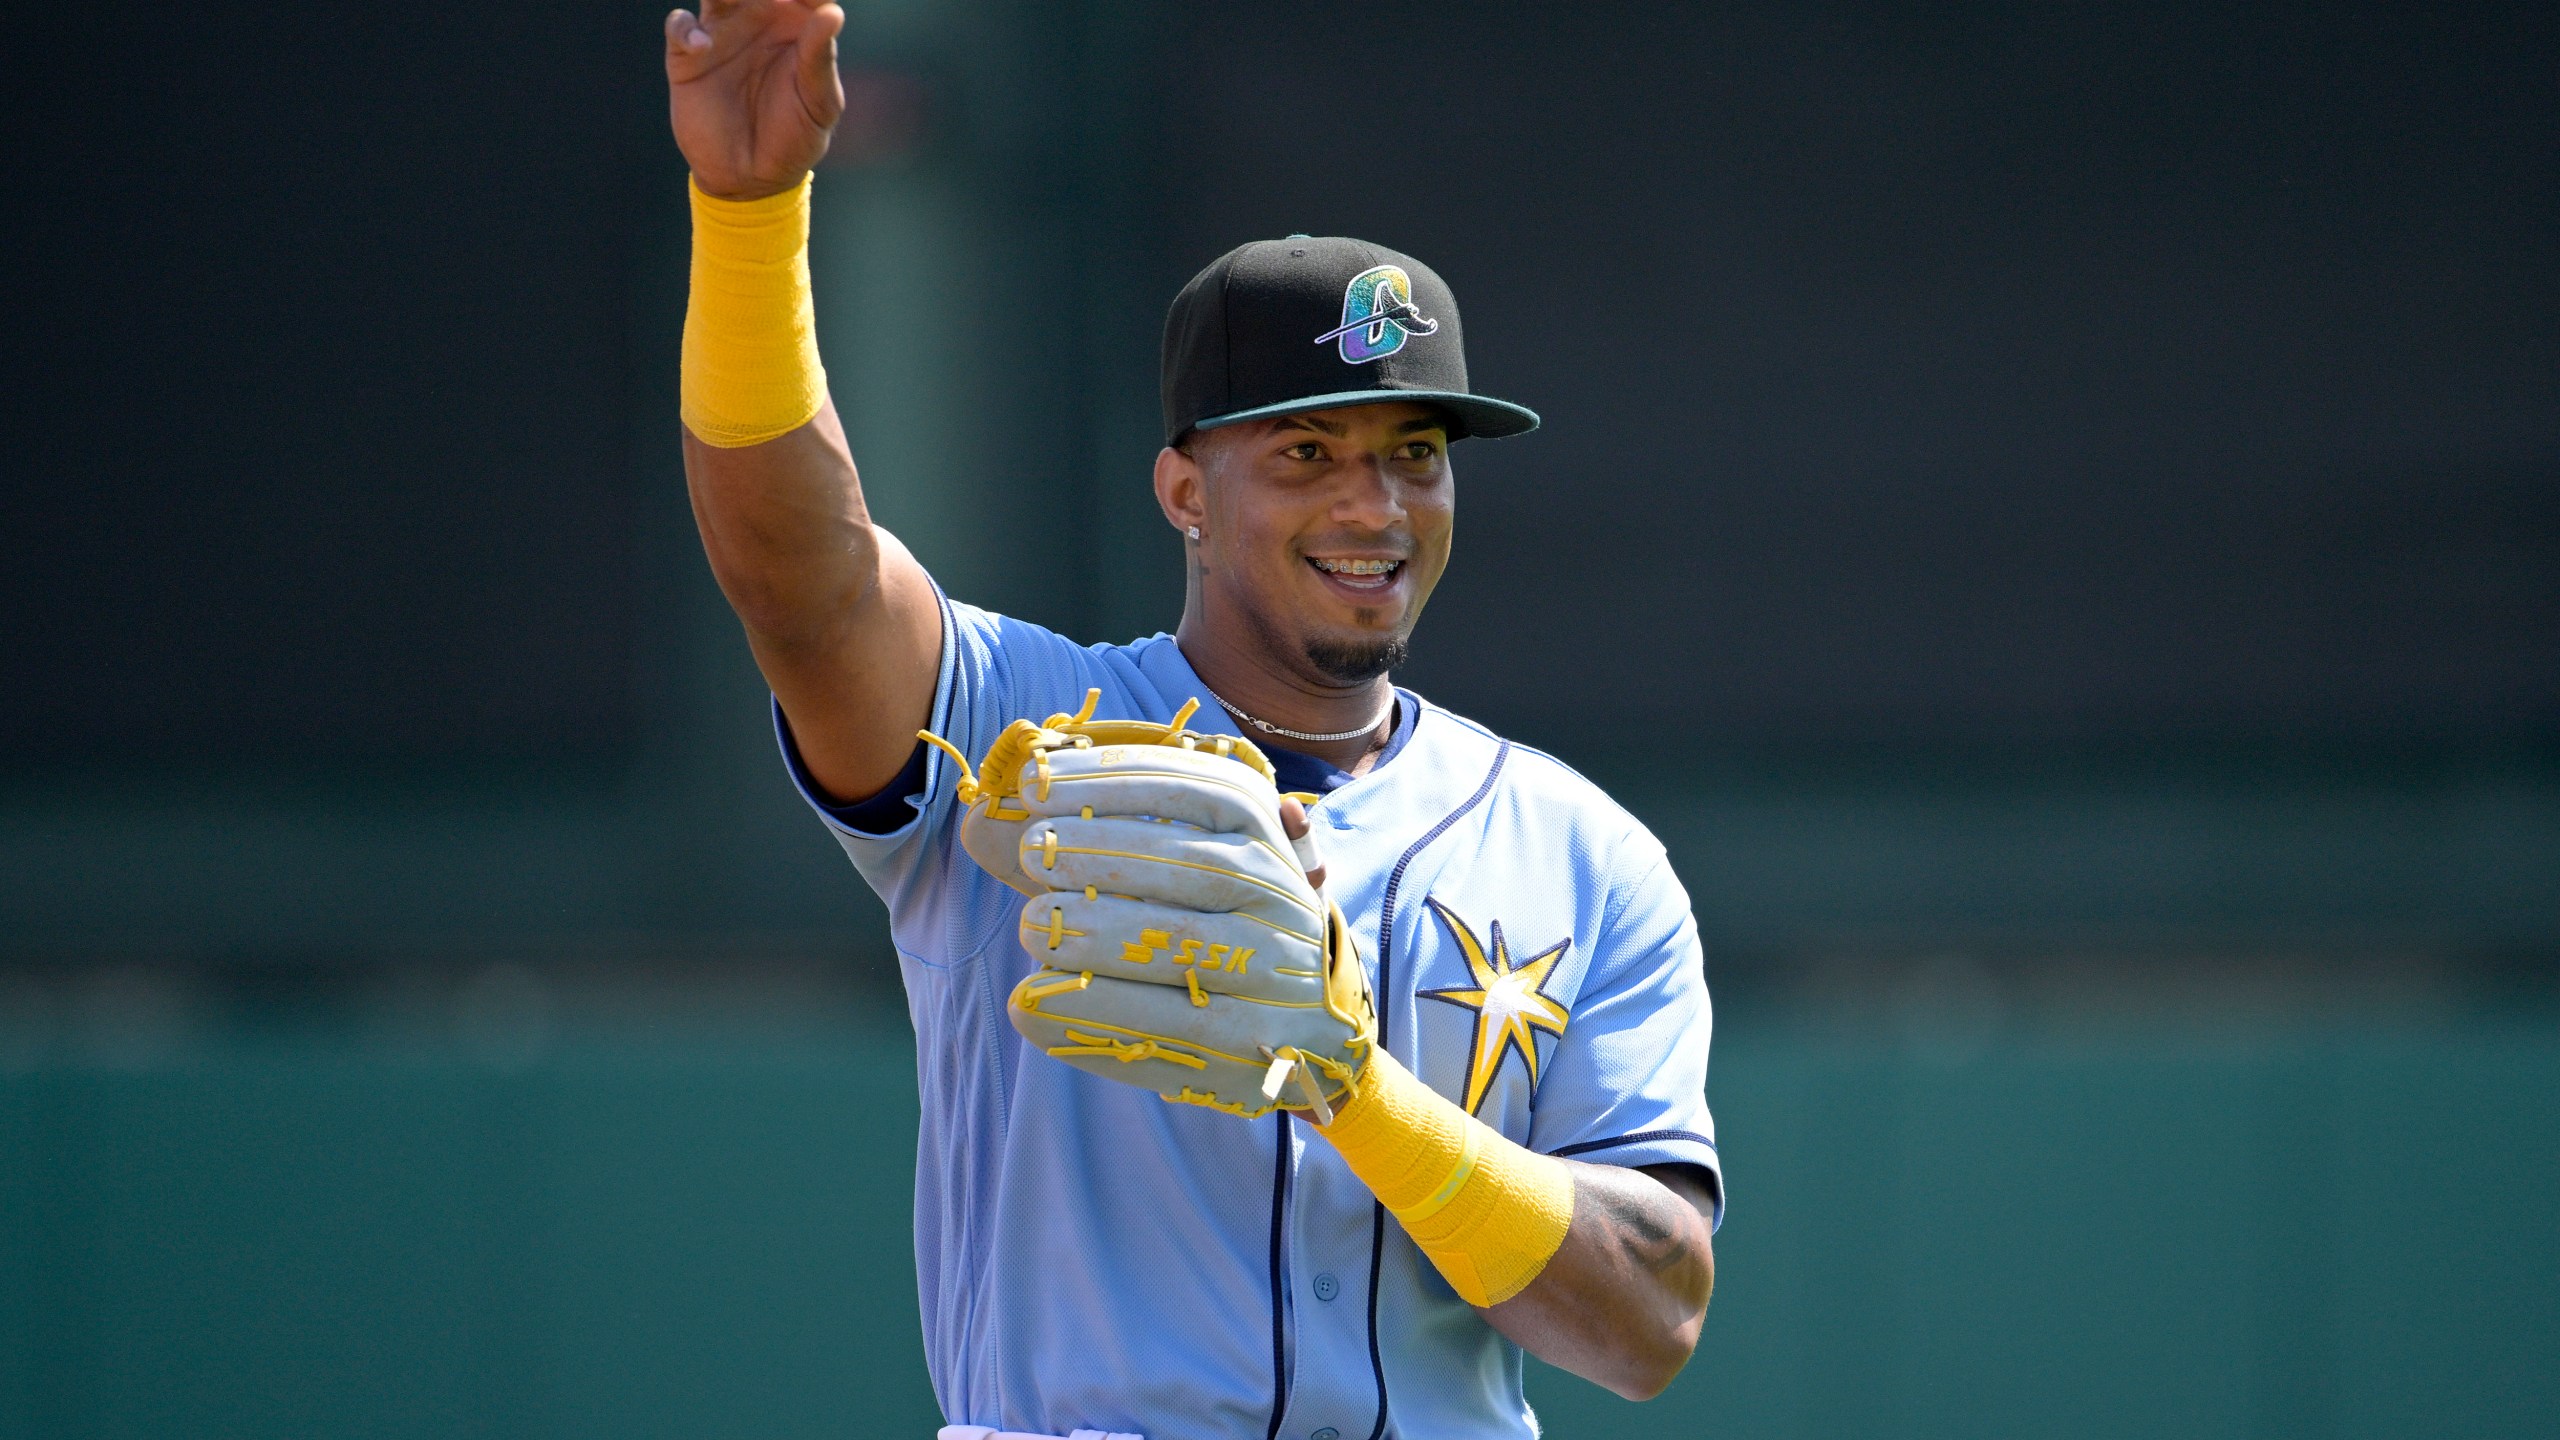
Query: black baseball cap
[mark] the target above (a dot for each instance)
(1281, 327)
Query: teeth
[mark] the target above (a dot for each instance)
(1358, 567)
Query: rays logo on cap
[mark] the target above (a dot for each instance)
(1377, 315)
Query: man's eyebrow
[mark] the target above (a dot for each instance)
(1421, 423)
(1312, 422)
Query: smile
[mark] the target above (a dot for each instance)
(1359, 574)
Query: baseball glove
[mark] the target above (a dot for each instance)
(1181, 946)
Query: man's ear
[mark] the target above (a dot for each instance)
(1181, 490)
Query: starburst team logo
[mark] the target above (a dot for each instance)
(1510, 1002)
(1377, 315)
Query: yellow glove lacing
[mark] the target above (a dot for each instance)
(999, 775)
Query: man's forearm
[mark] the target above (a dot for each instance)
(773, 483)
(1623, 1299)
(785, 528)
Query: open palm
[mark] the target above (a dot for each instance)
(753, 91)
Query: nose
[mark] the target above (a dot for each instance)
(1371, 496)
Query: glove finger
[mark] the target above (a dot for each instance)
(1164, 781)
(1171, 864)
(1165, 945)
(996, 845)
(1157, 1037)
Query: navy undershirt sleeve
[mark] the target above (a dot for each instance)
(884, 812)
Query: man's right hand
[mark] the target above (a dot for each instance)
(753, 92)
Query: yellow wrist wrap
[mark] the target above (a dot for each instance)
(751, 368)
(1488, 1212)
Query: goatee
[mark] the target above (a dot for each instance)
(1353, 662)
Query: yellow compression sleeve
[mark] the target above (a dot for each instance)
(1489, 1213)
(751, 368)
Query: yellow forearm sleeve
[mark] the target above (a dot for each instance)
(751, 368)
(1489, 1213)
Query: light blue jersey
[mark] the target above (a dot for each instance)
(1089, 1256)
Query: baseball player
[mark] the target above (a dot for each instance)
(1293, 1052)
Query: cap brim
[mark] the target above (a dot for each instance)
(1480, 417)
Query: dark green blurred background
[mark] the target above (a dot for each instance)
(2053, 516)
(2101, 1232)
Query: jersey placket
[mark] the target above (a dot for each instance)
(1326, 1231)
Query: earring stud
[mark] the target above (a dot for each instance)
(1192, 531)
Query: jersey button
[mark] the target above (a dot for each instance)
(1326, 1286)
(1327, 1433)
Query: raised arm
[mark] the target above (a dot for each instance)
(840, 617)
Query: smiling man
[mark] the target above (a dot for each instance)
(1526, 1160)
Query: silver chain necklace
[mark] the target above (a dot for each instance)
(1268, 728)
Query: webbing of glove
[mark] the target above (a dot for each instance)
(1014, 782)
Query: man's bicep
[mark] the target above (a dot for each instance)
(856, 693)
